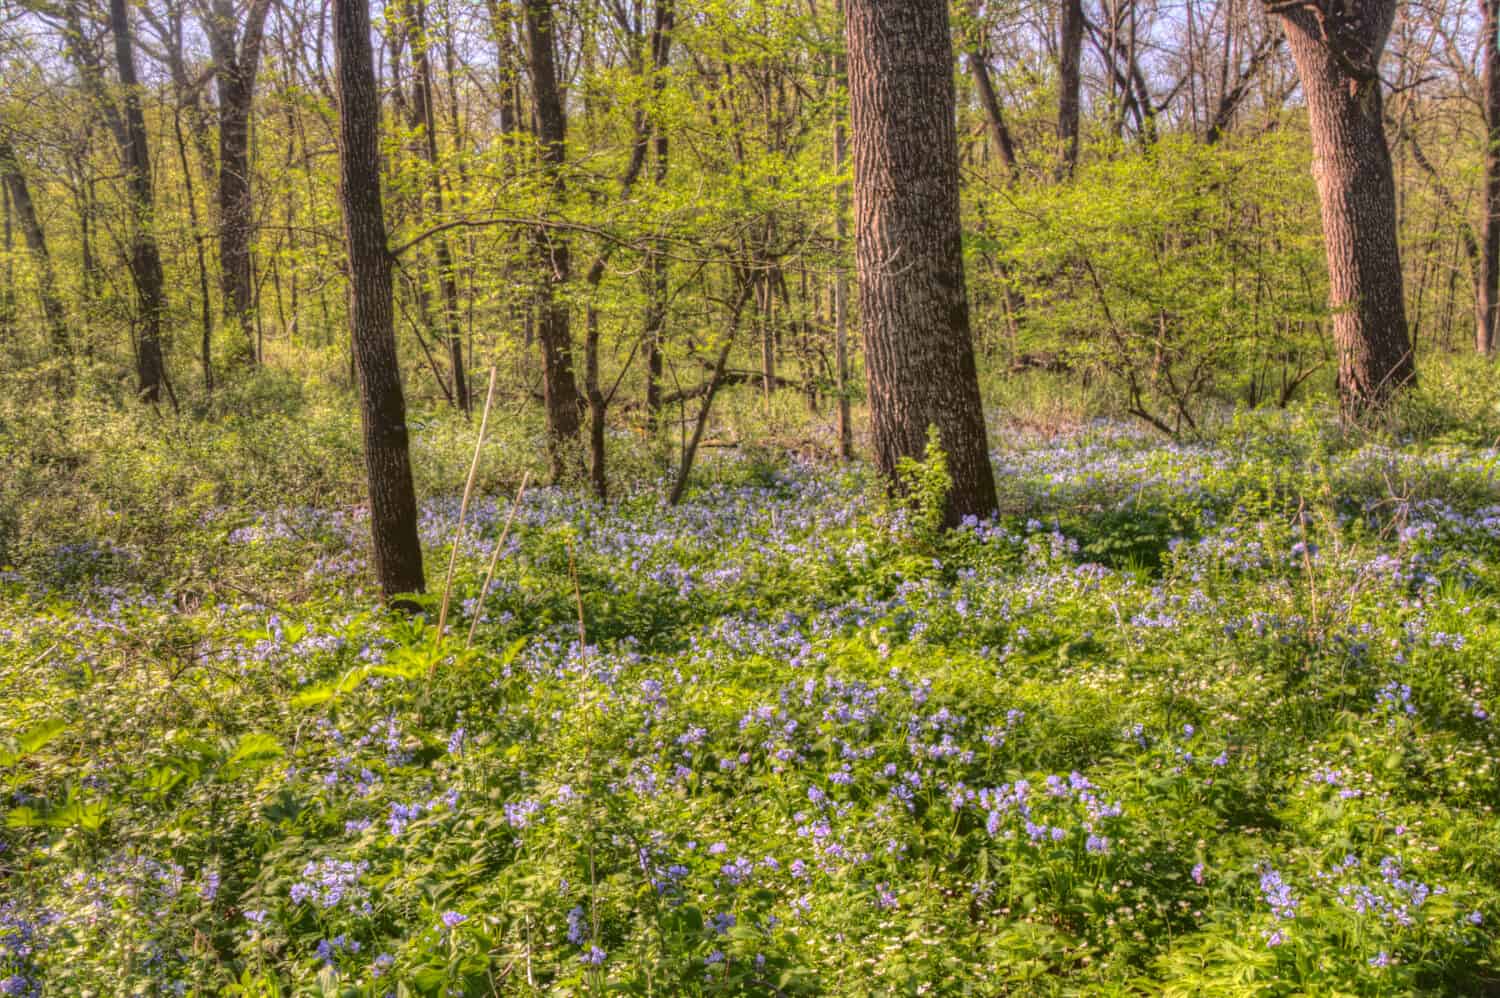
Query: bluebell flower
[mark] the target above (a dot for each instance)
(576, 929)
(1278, 894)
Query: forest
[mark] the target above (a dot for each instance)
(769, 497)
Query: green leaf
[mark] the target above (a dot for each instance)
(253, 751)
(39, 735)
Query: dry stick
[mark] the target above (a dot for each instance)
(489, 574)
(583, 638)
(463, 508)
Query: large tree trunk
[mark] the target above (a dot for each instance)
(559, 387)
(1069, 79)
(145, 257)
(919, 357)
(36, 244)
(393, 504)
(1337, 58)
(235, 69)
(1489, 284)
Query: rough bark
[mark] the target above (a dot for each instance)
(1336, 55)
(560, 393)
(393, 504)
(236, 64)
(919, 355)
(1069, 80)
(145, 257)
(36, 244)
(1489, 285)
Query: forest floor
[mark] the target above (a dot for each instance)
(1207, 719)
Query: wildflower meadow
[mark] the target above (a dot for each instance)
(1209, 718)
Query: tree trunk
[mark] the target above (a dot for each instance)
(46, 276)
(767, 308)
(8, 289)
(236, 64)
(447, 280)
(715, 381)
(841, 278)
(393, 504)
(598, 477)
(994, 117)
(145, 257)
(1489, 285)
(919, 356)
(656, 320)
(1069, 79)
(560, 392)
(205, 309)
(1336, 62)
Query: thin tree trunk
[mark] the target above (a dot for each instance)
(145, 257)
(598, 477)
(1489, 284)
(447, 280)
(994, 118)
(559, 387)
(716, 379)
(8, 289)
(841, 274)
(393, 505)
(919, 355)
(767, 340)
(205, 312)
(656, 319)
(1069, 80)
(86, 259)
(19, 200)
(1232, 97)
(1474, 252)
(236, 64)
(1336, 60)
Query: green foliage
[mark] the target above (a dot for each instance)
(923, 487)
(1186, 276)
(1246, 685)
